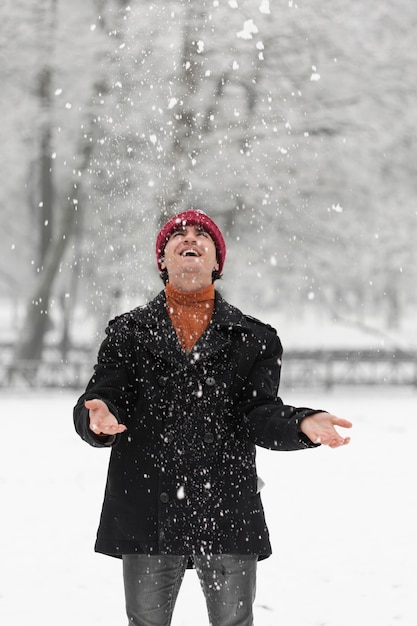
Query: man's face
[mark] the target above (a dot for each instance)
(190, 258)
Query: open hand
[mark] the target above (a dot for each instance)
(102, 422)
(320, 428)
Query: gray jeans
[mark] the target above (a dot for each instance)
(152, 584)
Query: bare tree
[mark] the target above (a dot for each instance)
(58, 209)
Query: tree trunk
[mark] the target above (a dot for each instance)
(31, 342)
(46, 174)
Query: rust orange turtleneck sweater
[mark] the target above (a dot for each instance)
(190, 313)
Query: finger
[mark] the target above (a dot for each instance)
(93, 405)
(339, 442)
(113, 428)
(109, 429)
(340, 421)
(116, 427)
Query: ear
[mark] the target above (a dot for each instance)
(163, 265)
(216, 268)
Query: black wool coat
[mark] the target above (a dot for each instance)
(182, 477)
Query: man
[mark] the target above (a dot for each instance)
(184, 389)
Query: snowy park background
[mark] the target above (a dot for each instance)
(342, 522)
(293, 124)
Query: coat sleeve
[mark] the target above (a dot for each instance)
(112, 382)
(269, 422)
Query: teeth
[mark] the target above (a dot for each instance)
(189, 253)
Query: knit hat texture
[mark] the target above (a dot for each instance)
(192, 217)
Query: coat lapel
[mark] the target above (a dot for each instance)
(217, 335)
(157, 332)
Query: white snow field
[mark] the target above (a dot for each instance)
(342, 522)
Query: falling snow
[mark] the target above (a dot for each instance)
(264, 8)
(249, 29)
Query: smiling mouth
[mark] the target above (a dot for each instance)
(190, 252)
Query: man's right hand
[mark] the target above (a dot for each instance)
(102, 422)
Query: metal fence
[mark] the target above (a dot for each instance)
(316, 368)
(327, 368)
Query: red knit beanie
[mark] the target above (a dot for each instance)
(192, 217)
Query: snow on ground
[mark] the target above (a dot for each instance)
(342, 522)
(319, 331)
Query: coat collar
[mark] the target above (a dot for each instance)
(162, 340)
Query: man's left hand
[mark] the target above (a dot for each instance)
(320, 428)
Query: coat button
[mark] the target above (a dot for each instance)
(208, 438)
(210, 381)
(169, 437)
(164, 497)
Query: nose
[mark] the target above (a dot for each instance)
(190, 236)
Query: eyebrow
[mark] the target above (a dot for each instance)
(181, 228)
